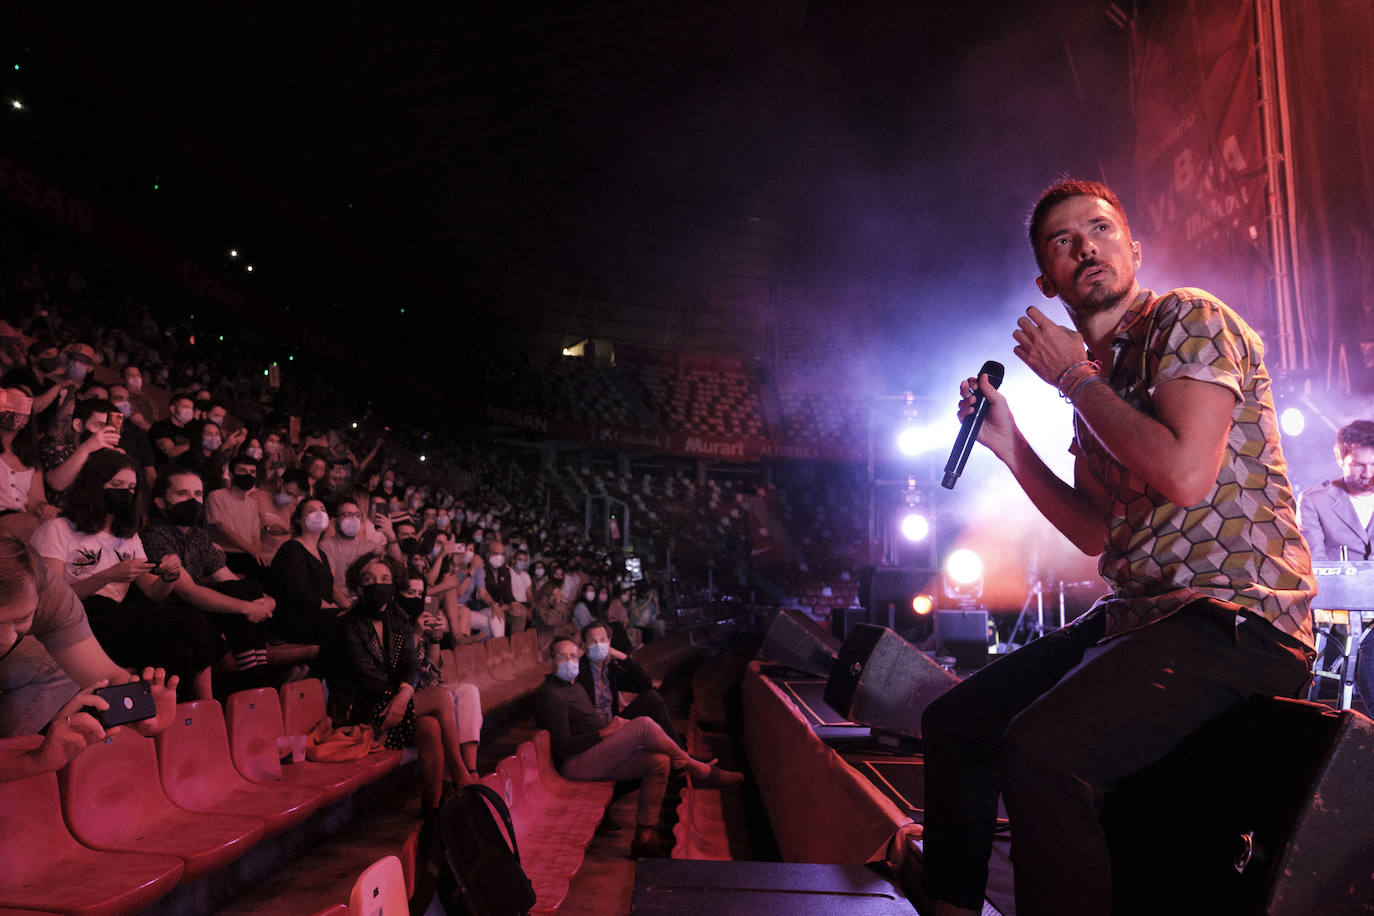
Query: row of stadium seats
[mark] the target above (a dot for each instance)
(131, 817)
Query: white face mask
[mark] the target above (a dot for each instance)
(349, 527)
(316, 521)
(184, 414)
(598, 651)
(498, 560)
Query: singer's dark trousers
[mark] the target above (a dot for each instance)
(1055, 724)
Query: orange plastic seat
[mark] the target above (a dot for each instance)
(380, 890)
(254, 718)
(113, 800)
(302, 706)
(198, 774)
(43, 868)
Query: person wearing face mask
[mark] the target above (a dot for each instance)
(209, 453)
(494, 590)
(141, 405)
(172, 436)
(96, 547)
(133, 439)
(235, 517)
(432, 635)
(520, 588)
(302, 581)
(606, 671)
(352, 538)
(23, 504)
(45, 378)
(584, 748)
(238, 607)
(585, 610)
(374, 672)
(277, 499)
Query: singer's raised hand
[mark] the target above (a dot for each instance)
(1047, 348)
(998, 431)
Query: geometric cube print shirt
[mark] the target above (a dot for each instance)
(1241, 543)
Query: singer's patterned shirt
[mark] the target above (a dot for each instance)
(1241, 544)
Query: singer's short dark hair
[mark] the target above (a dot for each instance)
(1059, 192)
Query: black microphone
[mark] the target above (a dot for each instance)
(968, 431)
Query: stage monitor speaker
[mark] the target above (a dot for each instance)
(964, 635)
(881, 586)
(883, 681)
(1268, 808)
(797, 641)
(843, 619)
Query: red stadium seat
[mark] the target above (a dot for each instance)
(254, 718)
(550, 890)
(554, 783)
(198, 774)
(337, 909)
(548, 844)
(380, 890)
(43, 868)
(587, 810)
(113, 800)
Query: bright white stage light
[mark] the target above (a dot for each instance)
(915, 526)
(964, 567)
(909, 441)
(1292, 422)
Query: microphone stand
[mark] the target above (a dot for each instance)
(1035, 629)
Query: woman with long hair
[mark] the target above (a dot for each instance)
(23, 505)
(95, 546)
(374, 678)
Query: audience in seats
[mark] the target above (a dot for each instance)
(234, 514)
(208, 453)
(23, 502)
(352, 537)
(374, 675)
(95, 547)
(69, 444)
(237, 607)
(432, 635)
(172, 436)
(49, 664)
(277, 498)
(303, 581)
(608, 672)
(586, 749)
(494, 589)
(133, 439)
(141, 413)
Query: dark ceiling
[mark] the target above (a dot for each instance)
(670, 173)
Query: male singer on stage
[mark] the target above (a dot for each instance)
(1180, 486)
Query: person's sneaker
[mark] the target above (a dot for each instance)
(720, 779)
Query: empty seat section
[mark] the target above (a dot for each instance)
(43, 868)
(555, 784)
(546, 843)
(198, 773)
(113, 800)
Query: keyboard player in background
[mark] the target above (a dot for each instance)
(1337, 518)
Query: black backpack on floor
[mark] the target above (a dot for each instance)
(467, 859)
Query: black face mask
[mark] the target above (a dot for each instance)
(413, 605)
(376, 597)
(407, 544)
(12, 421)
(187, 512)
(244, 481)
(45, 363)
(120, 504)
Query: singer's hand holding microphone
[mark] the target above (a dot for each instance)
(983, 417)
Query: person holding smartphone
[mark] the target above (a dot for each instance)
(50, 666)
